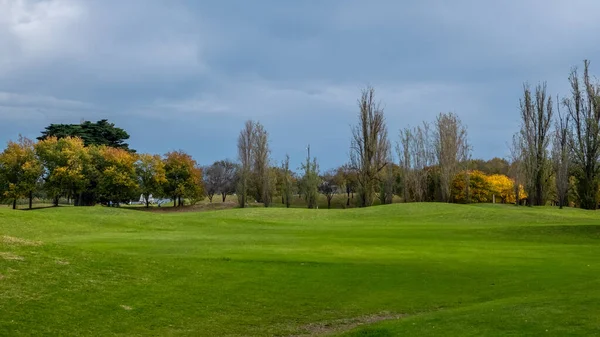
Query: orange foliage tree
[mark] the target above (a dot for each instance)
(184, 177)
(19, 171)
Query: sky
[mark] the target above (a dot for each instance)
(186, 75)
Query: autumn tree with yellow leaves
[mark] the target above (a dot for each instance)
(151, 175)
(20, 171)
(64, 161)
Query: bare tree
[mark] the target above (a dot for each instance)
(369, 147)
(450, 149)
(516, 164)
(310, 181)
(387, 187)
(561, 158)
(229, 178)
(347, 177)
(219, 178)
(328, 186)
(246, 158)
(212, 180)
(583, 107)
(536, 115)
(261, 154)
(287, 183)
(403, 147)
(422, 157)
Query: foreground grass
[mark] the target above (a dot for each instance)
(419, 269)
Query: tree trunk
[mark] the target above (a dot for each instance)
(56, 201)
(174, 201)
(147, 202)
(30, 199)
(14, 203)
(224, 196)
(282, 199)
(328, 203)
(210, 198)
(179, 202)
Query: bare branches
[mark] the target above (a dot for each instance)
(561, 158)
(536, 118)
(245, 156)
(583, 107)
(370, 148)
(451, 149)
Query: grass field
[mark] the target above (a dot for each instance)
(398, 270)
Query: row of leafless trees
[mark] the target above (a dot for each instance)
(543, 154)
(445, 146)
(253, 154)
(549, 149)
(422, 148)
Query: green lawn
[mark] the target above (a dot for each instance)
(398, 270)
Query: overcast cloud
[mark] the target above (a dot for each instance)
(187, 74)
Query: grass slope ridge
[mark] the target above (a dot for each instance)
(441, 269)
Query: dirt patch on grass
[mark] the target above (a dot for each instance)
(1, 277)
(11, 256)
(345, 324)
(126, 307)
(62, 262)
(11, 240)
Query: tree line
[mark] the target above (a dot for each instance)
(89, 166)
(554, 159)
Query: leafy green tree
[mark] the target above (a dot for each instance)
(100, 133)
(151, 175)
(20, 171)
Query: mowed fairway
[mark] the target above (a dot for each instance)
(404, 269)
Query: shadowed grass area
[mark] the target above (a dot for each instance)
(403, 269)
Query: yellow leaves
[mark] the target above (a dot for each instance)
(65, 160)
(183, 174)
(118, 178)
(502, 187)
(483, 188)
(19, 169)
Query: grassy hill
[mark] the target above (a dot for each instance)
(403, 269)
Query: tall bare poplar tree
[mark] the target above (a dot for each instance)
(536, 119)
(403, 151)
(369, 147)
(422, 157)
(561, 158)
(450, 149)
(260, 153)
(287, 181)
(516, 164)
(246, 158)
(583, 107)
(309, 184)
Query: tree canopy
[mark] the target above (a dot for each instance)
(99, 133)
